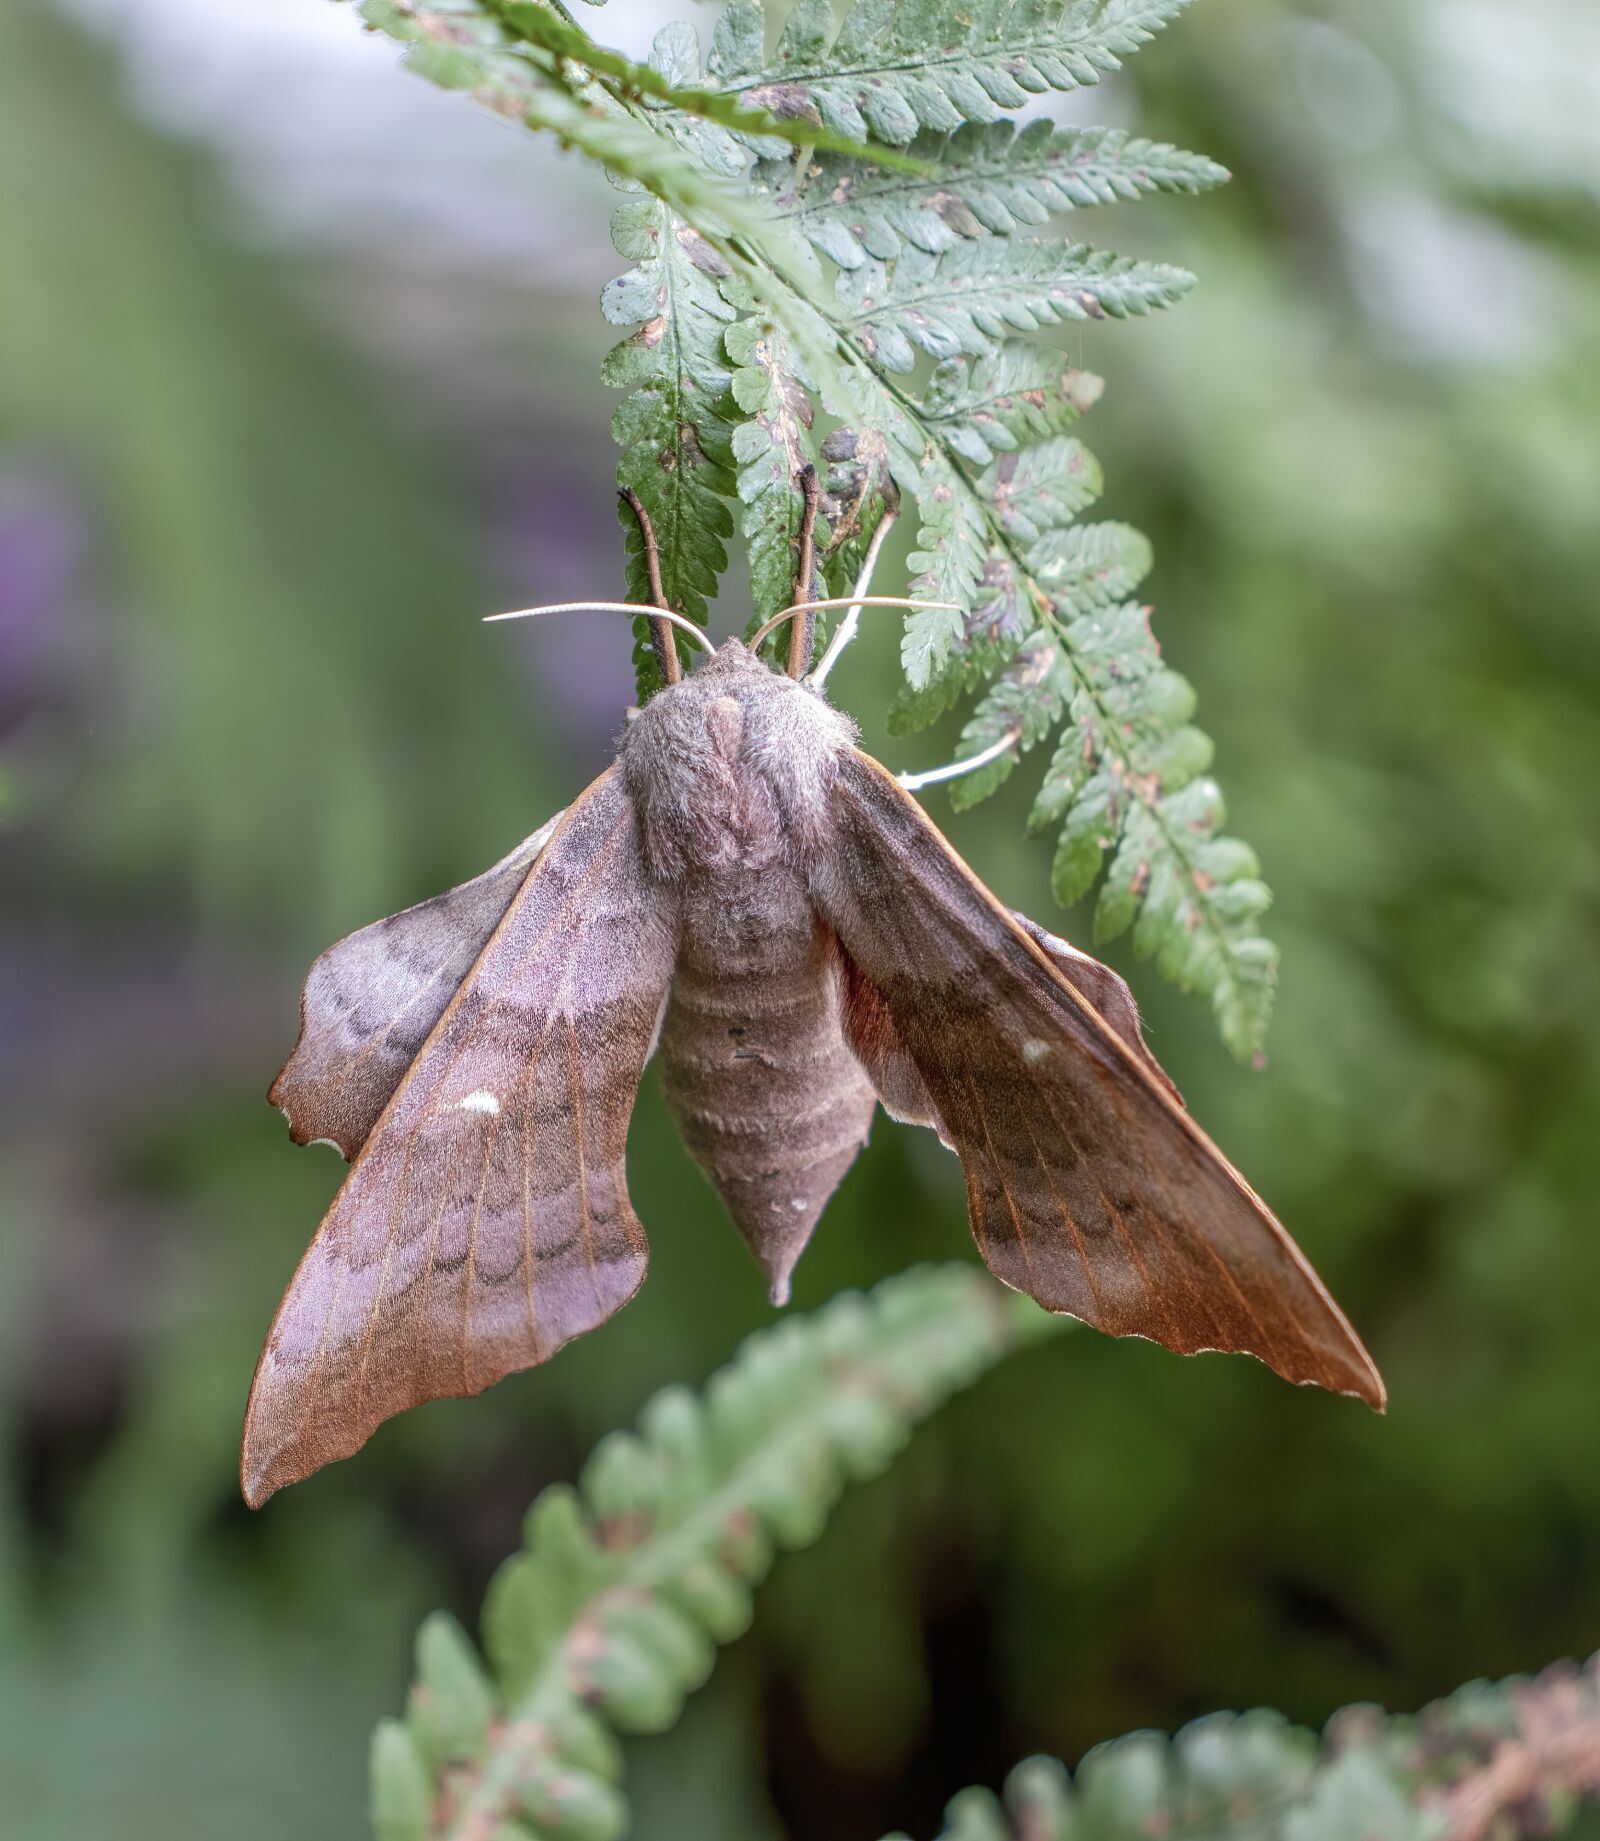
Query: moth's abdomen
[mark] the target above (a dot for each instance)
(771, 1103)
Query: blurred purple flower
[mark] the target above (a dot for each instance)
(44, 546)
(553, 536)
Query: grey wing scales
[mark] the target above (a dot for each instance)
(486, 1219)
(371, 1001)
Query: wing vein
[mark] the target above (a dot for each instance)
(585, 1223)
(999, 1173)
(383, 1279)
(1114, 1216)
(527, 1202)
(1066, 1215)
(490, 1138)
(1218, 1261)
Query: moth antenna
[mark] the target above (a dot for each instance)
(608, 607)
(838, 600)
(851, 623)
(912, 782)
(667, 661)
(802, 635)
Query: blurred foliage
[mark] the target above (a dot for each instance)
(610, 1615)
(252, 710)
(1496, 1761)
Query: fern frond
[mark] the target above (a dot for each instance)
(1127, 778)
(1029, 495)
(860, 491)
(611, 1614)
(1227, 1774)
(1002, 543)
(729, 291)
(1465, 1766)
(671, 81)
(673, 427)
(1021, 706)
(968, 299)
(990, 178)
(1023, 393)
(950, 564)
(893, 67)
(771, 448)
(1090, 565)
(463, 45)
(1037, 491)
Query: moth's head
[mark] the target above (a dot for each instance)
(736, 677)
(739, 661)
(733, 765)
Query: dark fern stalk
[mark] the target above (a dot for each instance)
(817, 223)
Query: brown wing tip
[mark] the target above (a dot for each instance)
(1353, 1375)
(1366, 1386)
(291, 1460)
(1373, 1392)
(263, 1476)
(259, 1481)
(256, 1479)
(300, 1134)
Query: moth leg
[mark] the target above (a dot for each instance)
(954, 770)
(851, 623)
(661, 639)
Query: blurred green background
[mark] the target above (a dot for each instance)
(299, 376)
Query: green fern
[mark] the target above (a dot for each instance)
(1023, 394)
(669, 81)
(972, 297)
(794, 276)
(1247, 1778)
(612, 1612)
(772, 446)
(1511, 1759)
(988, 178)
(465, 45)
(893, 67)
(673, 426)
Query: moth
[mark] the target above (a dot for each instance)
(750, 898)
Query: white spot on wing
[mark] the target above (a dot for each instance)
(481, 1100)
(1034, 1051)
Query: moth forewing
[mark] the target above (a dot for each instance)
(1090, 1187)
(372, 999)
(485, 1220)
